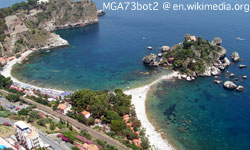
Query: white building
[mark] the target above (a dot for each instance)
(27, 136)
(42, 1)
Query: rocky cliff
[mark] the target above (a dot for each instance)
(29, 27)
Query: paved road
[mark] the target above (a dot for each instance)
(44, 137)
(95, 134)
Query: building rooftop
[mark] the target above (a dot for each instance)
(85, 113)
(62, 106)
(22, 125)
(32, 134)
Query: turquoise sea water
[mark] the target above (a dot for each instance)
(197, 115)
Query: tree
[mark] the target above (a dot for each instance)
(41, 122)
(56, 105)
(70, 135)
(24, 112)
(12, 97)
(5, 83)
(33, 115)
(110, 115)
(52, 126)
(98, 104)
(117, 125)
(74, 148)
(145, 143)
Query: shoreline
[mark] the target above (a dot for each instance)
(139, 97)
(6, 72)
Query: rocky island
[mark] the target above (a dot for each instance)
(28, 25)
(192, 58)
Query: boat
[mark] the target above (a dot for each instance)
(240, 39)
(48, 51)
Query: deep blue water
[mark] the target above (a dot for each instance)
(109, 55)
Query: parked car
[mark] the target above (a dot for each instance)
(6, 124)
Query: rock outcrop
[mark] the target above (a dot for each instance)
(31, 29)
(150, 59)
(165, 48)
(240, 88)
(242, 66)
(235, 57)
(217, 41)
(230, 85)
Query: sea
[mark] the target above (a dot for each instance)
(197, 115)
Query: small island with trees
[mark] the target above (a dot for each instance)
(193, 57)
(196, 57)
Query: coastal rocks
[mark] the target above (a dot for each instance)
(159, 55)
(149, 48)
(211, 71)
(235, 57)
(165, 48)
(186, 77)
(221, 51)
(218, 81)
(215, 71)
(100, 12)
(150, 59)
(240, 88)
(223, 64)
(242, 66)
(54, 41)
(207, 72)
(156, 64)
(217, 41)
(144, 73)
(230, 85)
(232, 75)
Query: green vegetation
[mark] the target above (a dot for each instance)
(192, 55)
(5, 114)
(4, 12)
(13, 97)
(5, 83)
(74, 148)
(105, 145)
(109, 107)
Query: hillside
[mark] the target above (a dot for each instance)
(28, 25)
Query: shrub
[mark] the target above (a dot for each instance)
(12, 97)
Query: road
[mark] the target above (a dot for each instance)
(73, 122)
(44, 137)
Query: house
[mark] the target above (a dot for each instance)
(90, 146)
(97, 122)
(126, 118)
(10, 58)
(51, 99)
(64, 108)
(42, 1)
(3, 61)
(193, 38)
(27, 136)
(86, 114)
(137, 142)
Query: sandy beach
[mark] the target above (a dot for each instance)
(6, 72)
(139, 96)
